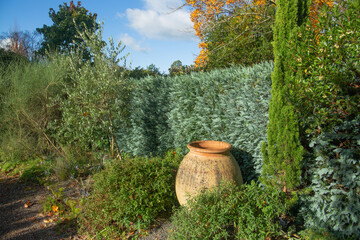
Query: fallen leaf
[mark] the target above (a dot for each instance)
(55, 208)
(27, 189)
(28, 204)
(50, 214)
(48, 221)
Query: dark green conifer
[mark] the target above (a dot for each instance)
(283, 153)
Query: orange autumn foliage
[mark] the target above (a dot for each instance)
(18, 43)
(206, 12)
(315, 9)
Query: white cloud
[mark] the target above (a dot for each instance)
(130, 42)
(120, 15)
(5, 43)
(159, 20)
(162, 6)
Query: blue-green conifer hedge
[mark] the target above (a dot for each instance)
(146, 129)
(229, 105)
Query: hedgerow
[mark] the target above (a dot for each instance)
(229, 105)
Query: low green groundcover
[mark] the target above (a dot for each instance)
(231, 212)
(129, 194)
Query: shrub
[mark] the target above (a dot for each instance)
(335, 202)
(230, 212)
(33, 174)
(26, 90)
(283, 151)
(326, 59)
(8, 57)
(129, 195)
(93, 99)
(147, 131)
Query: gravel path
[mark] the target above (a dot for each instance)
(20, 212)
(21, 217)
(159, 233)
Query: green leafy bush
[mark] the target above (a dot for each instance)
(326, 60)
(325, 91)
(7, 166)
(335, 202)
(93, 99)
(229, 105)
(129, 195)
(231, 212)
(33, 174)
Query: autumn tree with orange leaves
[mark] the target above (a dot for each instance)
(237, 31)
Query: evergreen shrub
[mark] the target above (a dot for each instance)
(283, 151)
(335, 202)
(229, 105)
(129, 195)
(231, 212)
(93, 99)
(326, 87)
(147, 127)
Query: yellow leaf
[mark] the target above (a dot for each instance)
(55, 208)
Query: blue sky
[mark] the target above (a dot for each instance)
(151, 30)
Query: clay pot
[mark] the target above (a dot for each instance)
(205, 166)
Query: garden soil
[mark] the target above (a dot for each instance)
(20, 213)
(21, 216)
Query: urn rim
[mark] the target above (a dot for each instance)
(209, 146)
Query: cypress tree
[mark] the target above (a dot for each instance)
(283, 153)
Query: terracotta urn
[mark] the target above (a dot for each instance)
(205, 166)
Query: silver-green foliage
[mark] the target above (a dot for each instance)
(147, 127)
(335, 204)
(229, 105)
